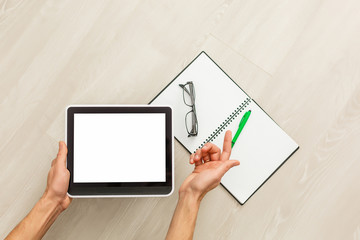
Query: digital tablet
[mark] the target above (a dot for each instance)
(119, 150)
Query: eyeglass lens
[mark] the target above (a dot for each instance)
(189, 94)
(191, 122)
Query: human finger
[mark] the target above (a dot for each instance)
(226, 146)
(61, 156)
(191, 161)
(205, 153)
(197, 158)
(53, 162)
(227, 165)
(211, 152)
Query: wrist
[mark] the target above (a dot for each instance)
(51, 201)
(192, 198)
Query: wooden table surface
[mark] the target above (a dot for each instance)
(300, 60)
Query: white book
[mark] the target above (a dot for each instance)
(262, 146)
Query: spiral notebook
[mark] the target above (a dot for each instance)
(262, 146)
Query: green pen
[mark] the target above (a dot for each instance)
(241, 126)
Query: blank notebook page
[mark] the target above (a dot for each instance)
(261, 148)
(216, 97)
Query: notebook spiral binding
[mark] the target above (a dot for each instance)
(226, 122)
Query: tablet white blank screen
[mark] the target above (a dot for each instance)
(119, 147)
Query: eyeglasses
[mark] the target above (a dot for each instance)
(189, 99)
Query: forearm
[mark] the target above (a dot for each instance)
(183, 222)
(38, 221)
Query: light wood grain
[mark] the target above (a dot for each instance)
(300, 60)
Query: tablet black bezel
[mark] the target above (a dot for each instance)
(120, 188)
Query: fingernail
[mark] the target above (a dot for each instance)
(196, 156)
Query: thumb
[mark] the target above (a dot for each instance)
(229, 164)
(61, 156)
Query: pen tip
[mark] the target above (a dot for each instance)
(249, 110)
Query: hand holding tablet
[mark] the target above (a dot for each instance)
(119, 151)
